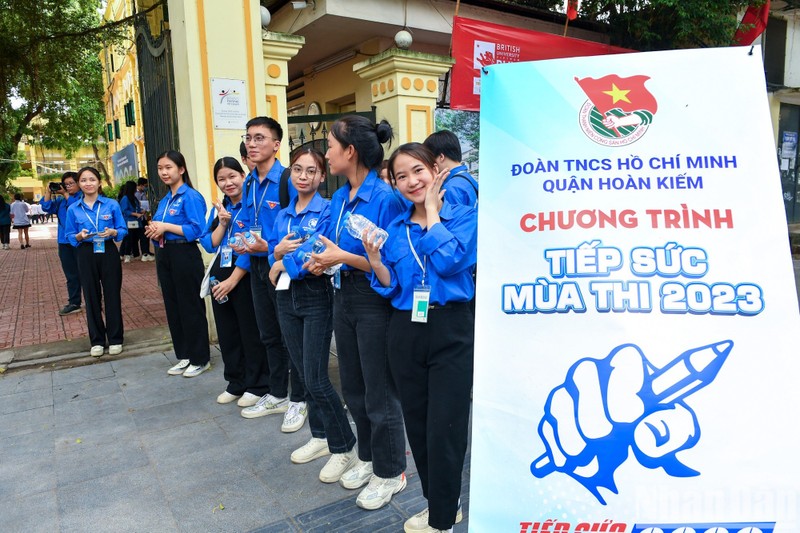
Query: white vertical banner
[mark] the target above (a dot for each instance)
(229, 103)
(637, 352)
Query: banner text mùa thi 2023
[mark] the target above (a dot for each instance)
(636, 332)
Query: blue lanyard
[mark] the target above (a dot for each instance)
(230, 226)
(96, 219)
(263, 195)
(166, 209)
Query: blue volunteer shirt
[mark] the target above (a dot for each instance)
(314, 219)
(239, 223)
(128, 207)
(374, 200)
(263, 199)
(105, 213)
(447, 250)
(462, 189)
(58, 206)
(187, 209)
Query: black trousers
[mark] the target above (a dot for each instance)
(180, 272)
(130, 244)
(237, 330)
(275, 375)
(5, 233)
(432, 366)
(101, 281)
(69, 264)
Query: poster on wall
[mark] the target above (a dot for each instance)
(636, 355)
(126, 165)
(477, 44)
(229, 103)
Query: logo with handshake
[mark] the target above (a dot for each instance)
(608, 406)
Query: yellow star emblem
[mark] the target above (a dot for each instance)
(617, 94)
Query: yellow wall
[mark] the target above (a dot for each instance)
(211, 40)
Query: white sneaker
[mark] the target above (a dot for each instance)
(115, 349)
(96, 351)
(178, 368)
(266, 405)
(195, 370)
(338, 464)
(357, 476)
(311, 450)
(295, 417)
(419, 522)
(379, 491)
(128, 258)
(227, 397)
(248, 399)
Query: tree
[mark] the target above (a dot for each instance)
(50, 73)
(663, 24)
(466, 126)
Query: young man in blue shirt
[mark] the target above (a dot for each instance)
(262, 200)
(69, 194)
(459, 186)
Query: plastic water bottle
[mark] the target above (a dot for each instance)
(235, 240)
(356, 224)
(300, 233)
(249, 238)
(318, 247)
(214, 282)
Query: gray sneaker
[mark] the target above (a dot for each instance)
(379, 491)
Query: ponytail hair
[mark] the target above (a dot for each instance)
(366, 137)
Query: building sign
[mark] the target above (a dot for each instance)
(478, 44)
(125, 163)
(636, 333)
(229, 103)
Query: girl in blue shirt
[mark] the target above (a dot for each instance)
(177, 224)
(92, 226)
(132, 211)
(425, 269)
(306, 317)
(239, 342)
(360, 316)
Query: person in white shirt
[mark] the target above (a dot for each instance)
(20, 220)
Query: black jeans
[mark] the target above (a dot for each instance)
(130, 244)
(69, 264)
(432, 365)
(180, 272)
(5, 233)
(101, 280)
(361, 321)
(305, 312)
(242, 351)
(275, 375)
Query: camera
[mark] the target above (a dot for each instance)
(54, 186)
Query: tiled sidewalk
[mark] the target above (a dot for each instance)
(33, 289)
(121, 446)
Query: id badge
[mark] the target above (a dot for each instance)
(421, 303)
(99, 245)
(337, 279)
(255, 230)
(226, 257)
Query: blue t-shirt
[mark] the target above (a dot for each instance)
(105, 213)
(314, 220)
(263, 199)
(447, 252)
(374, 200)
(239, 223)
(187, 209)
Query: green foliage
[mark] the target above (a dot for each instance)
(466, 126)
(50, 74)
(113, 191)
(662, 24)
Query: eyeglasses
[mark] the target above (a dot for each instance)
(311, 172)
(256, 139)
(70, 184)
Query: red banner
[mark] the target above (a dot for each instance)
(477, 44)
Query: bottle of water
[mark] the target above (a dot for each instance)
(249, 238)
(299, 232)
(318, 247)
(214, 282)
(356, 224)
(235, 240)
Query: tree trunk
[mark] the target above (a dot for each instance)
(100, 165)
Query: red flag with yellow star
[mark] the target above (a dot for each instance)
(612, 92)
